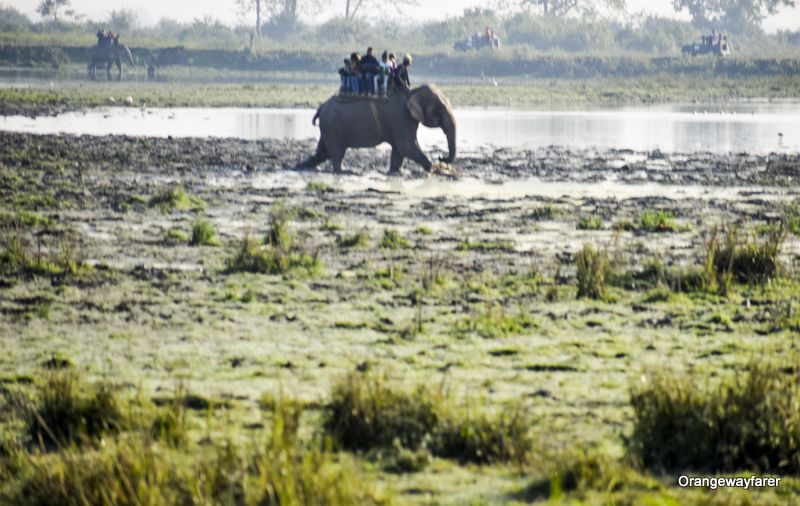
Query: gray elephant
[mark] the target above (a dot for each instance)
(109, 55)
(358, 122)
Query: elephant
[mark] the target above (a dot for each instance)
(360, 122)
(110, 54)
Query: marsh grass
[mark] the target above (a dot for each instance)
(747, 423)
(66, 412)
(590, 222)
(392, 240)
(175, 199)
(203, 234)
(494, 322)
(592, 266)
(368, 412)
(753, 260)
(359, 240)
(175, 235)
(486, 246)
(251, 256)
(55, 253)
(657, 221)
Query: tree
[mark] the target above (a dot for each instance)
(351, 7)
(123, 20)
(731, 14)
(49, 8)
(564, 7)
(287, 9)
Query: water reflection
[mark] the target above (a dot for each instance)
(744, 127)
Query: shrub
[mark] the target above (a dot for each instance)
(485, 246)
(592, 266)
(203, 233)
(749, 422)
(393, 240)
(63, 414)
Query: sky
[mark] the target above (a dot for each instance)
(150, 11)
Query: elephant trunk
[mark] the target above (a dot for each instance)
(449, 129)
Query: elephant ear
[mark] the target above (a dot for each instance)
(415, 108)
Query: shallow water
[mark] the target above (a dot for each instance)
(753, 128)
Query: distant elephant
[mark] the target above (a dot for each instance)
(110, 55)
(360, 122)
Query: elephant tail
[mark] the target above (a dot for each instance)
(314, 119)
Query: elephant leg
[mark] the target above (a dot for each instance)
(336, 162)
(108, 71)
(119, 71)
(395, 163)
(416, 154)
(320, 156)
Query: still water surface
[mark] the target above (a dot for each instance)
(754, 128)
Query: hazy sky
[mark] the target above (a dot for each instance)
(186, 10)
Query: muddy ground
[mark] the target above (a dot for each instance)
(492, 246)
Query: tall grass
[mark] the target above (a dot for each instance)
(750, 422)
(368, 412)
(592, 266)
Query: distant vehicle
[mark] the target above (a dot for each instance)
(478, 41)
(707, 46)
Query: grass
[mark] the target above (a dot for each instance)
(203, 234)
(747, 423)
(359, 240)
(252, 256)
(592, 266)
(657, 221)
(393, 240)
(367, 411)
(486, 246)
(175, 199)
(55, 254)
(494, 322)
(590, 222)
(63, 413)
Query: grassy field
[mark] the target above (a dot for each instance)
(304, 90)
(182, 324)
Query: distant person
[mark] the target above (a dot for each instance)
(109, 38)
(101, 37)
(345, 73)
(368, 68)
(383, 77)
(355, 85)
(402, 72)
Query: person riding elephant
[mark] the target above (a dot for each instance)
(360, 123)
(110, 53)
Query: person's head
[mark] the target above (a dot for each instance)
(355, 58)
(369, 51)
(407, 60)
(384, 57)
(392, 57)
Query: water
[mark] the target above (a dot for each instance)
(754, 128)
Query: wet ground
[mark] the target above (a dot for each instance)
(495, 242)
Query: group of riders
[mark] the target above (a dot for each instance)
(366, 75)
(715, 39)
(107, 38)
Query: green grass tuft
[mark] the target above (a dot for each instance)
(592, 266)
(175, 199)
(591, 222)
(203, 234)
(393, 240)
